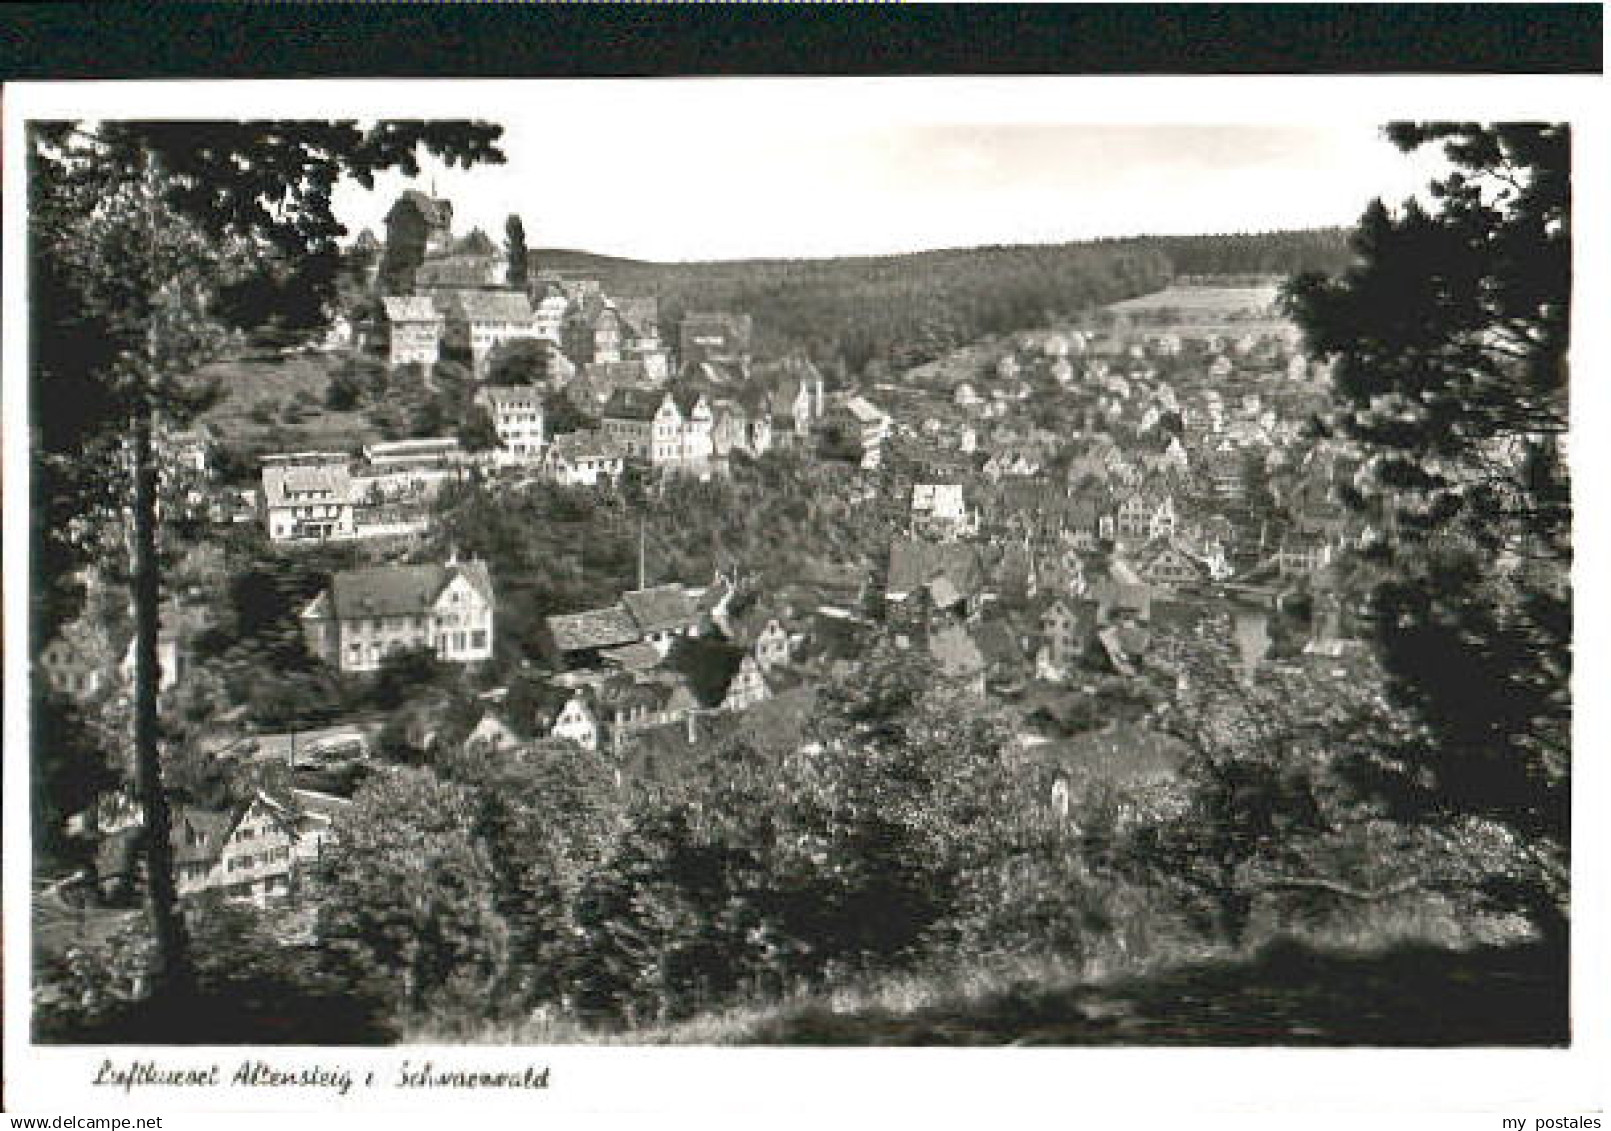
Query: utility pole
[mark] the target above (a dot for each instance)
(642, 556)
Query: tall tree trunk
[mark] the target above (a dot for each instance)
(172, 976)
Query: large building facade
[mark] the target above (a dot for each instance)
(367, 614)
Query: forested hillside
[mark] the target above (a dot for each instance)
(902, 310)
(1324, 250)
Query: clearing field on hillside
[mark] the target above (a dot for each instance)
(1203, 303)
(282, 397)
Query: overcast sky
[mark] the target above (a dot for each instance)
(649, 188)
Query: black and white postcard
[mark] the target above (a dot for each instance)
(713, 595)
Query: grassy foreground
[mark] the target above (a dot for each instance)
(1287, 993)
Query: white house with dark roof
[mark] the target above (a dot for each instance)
(367, 614)
(517, 418)
(582, 458)
(577, 722)
(413, 329)
(270, 841)
(477, 321)
(308, 502)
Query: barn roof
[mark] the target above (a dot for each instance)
(596, 628)
(634, 404)
(493, 306)
(389, 591)
(661, 608)
(913, 563)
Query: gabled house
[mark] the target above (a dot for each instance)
(859, 428)
(586, 458)
(414, 329)
(308, 502)
(270, 842)
(795, 396)
(646, 424)
(517, 417)
(366, 614)
(252, 854)
(594, 331)
(492, 734)
(577, 722)
(1169, 566)
(77, 662)
(477, 321)
(697, 420)
(939, 504)
(196, 835)
(772, 646)
(1066, 627)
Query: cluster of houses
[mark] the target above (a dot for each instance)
(444, 297)
(1068, 504)
(257, 852)
(385, 491)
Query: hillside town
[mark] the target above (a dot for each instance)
(437, 637)
(1039, 513)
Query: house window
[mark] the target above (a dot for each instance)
(478, 639)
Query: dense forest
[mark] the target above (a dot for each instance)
(903, 310)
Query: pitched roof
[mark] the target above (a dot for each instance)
(660, 608)
(687, 399)
(913, 563)
(617, 372)
(501, 396)
(199, 834)
(331, 482)
(596, 628)
(584, 444)
(459, 271)
(318, 804)
(865, 410)
(632, 657)
(390, 591)
(641, 312)
(410, 308)
(477, 244)
(634, 404)
(493, 306)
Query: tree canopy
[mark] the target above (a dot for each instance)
(1449, 335)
